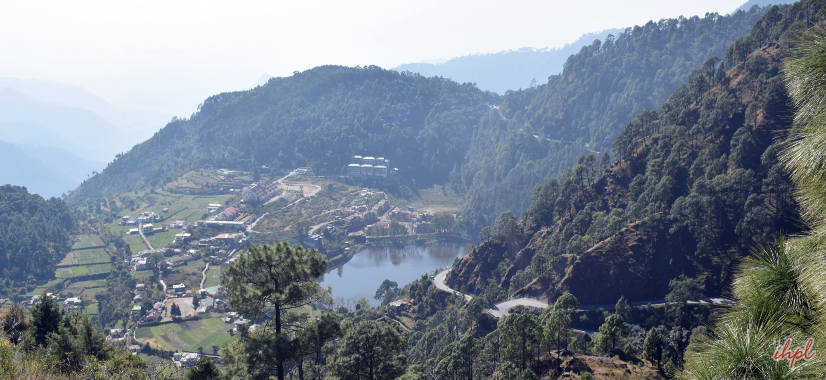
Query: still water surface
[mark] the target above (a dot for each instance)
(362, 275)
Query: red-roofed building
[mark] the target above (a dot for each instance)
(228, 214)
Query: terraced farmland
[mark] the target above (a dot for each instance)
(82, 270)
(213, 277)
(187, 336)
(162, 239)
(87, 241)
(85, 257)
(135, 242)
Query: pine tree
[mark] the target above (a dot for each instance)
(652, 347)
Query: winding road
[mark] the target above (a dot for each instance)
(281, 182)
(503, 308)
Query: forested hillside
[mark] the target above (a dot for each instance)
(538, 132)
(697, 186)
(319, 117)
(34, 233)
(493, 149)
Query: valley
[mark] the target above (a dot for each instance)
(654, 210)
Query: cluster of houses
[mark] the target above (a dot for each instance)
(421, 222)
(146, 229)
(192, 254)
(370, 166)
(146, 217)
(69, 303)
(224, 242)
(259, 191)
(139, 261)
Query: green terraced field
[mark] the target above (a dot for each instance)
(87, 241)
(162, 239)
(87, 284)
(64, 273)
(187, 335)
(90, 292)
(90, 256)
(213, 276)
(135, 242)
(92, 309)
(83, 270)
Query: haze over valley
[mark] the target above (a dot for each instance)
(638, 196)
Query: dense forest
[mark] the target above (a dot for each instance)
(696, 186)
(537, 132)
(319, 117)
(34, 234)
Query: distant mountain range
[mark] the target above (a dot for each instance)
(25, 120)
(507, 70)
(53, 135)
(512, 70)
(77, 97)
(44, 170)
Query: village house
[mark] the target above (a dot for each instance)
(260, 191)
(177, 224)
(179, 288)
(152, 316)
(140, 264)
(181, 237)
(148, 216)
(72, 302)
(186, 359)
(230, 213)
(116, 334)
(229, 240)
(315, 241)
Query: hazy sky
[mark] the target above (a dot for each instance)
(170, 55)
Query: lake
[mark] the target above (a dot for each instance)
(362, 275)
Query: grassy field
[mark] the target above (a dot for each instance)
(90, 292)
(87, 284)
(213, 277)
(135, 242)
(90, 256)
(92, 309)
(141, 274)
(87, 241)
(82, 270)
(85, 257)
(187, 335)
(162, 239)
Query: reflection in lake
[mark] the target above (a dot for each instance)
(361, 276)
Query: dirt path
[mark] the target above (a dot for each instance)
(203, 280)
(140, 230)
